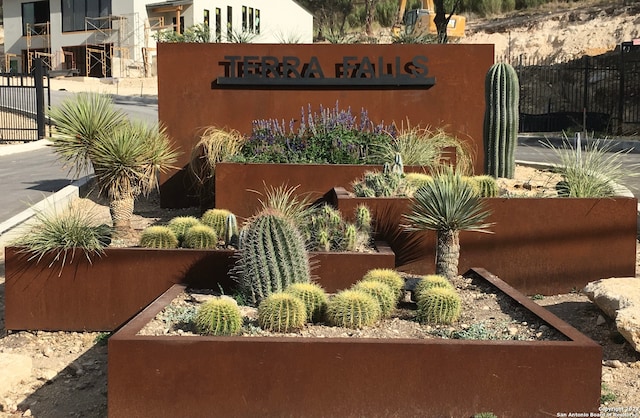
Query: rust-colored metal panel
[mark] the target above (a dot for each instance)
(191, 97)
(539, 245)
(104, 293)
(160, 376)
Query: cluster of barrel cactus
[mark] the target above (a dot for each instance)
(215, 226)
(219, 316)
(484, 186)
(326, 230)
(437, 300)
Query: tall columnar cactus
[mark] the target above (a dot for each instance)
(216, 219)
(350, 240)
(220, 316)
(363, 218)
(502, 94)
(272, 256)
(281, 312)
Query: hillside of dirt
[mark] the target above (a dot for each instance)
(559, 31)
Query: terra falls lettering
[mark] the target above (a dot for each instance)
(351, 71)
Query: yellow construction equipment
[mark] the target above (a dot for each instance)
(421, 21)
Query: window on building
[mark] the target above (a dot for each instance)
(218, 24)
(75, 11)
(251, 27)
(175, 25)
(257, 21)
(229, 23)
(244, 18)
(206, 17)
(35, 15)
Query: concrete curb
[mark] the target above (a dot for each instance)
(11, 228)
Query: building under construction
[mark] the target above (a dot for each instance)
(117, 38)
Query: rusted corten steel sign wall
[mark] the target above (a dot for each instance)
(231, 85)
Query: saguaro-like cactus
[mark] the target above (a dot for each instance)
(502, 94)
(272, 256)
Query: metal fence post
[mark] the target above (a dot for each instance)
(38, 76)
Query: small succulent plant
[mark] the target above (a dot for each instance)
(219, 316)
(282, 312)
(158, 236)
(353, 309)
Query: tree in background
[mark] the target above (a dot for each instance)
(442, 19)
(330, 15)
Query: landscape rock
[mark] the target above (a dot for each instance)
(619, 298)
(13, 369)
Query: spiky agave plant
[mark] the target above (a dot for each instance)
(126, 163)
(447, 205)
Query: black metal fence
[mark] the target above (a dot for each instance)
(600, 94)
(22, 104)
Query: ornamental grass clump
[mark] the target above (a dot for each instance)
(219, 316)
(353, 309)
(281, 312)
(158, 236)
(448, 205)
(62, 233)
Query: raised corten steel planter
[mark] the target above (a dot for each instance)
(538, 245)
(237, 183)
(104, 293)
(168, 376)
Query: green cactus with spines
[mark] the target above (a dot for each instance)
(383, 294)
(324, 240)
(350, 240)
(216, 219)
(219, 316)
(180, 224)
(416, 180)
(231, 231)
(428, 282)
(487, 186)
(397, 167)
(502, 95)
(363, 218)
(353, 309)
(362, 190)
(388, 276)
(200, 237)
(272, 256)
(313, 296)
(439, 305)
(158, 236)
(281, 312)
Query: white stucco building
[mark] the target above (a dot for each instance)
(104, 38)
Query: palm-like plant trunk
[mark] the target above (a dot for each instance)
(121, 211)
(448, 253)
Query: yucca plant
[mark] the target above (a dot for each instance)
(79, 121)
(447, 205)
(126, 163)
(126, 156)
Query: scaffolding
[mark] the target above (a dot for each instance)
(40, 31)
(152, 24)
